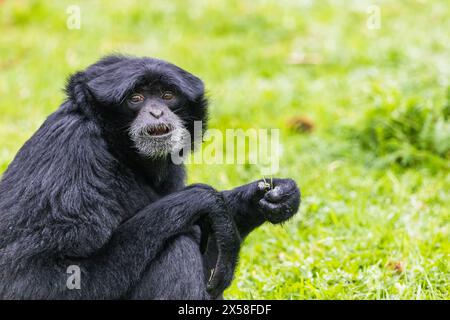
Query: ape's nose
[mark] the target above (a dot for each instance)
(157, 113)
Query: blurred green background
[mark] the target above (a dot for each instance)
(363, 112)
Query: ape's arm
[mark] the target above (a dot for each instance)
(242, 203)
(251, 205)
(117, 267)
(142, 237)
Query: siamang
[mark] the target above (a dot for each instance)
(95, 188)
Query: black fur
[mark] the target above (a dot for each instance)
(78, 193)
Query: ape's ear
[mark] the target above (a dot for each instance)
(194, 89)
(107, 81)
(107, 88)
(191, 86)
(198, 111)
(75, 88)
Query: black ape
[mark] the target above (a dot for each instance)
(95, 188)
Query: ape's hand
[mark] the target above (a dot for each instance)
(273, 200)
(277, 199)
(248, 206)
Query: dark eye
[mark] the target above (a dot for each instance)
(136, 98)
(167, 95)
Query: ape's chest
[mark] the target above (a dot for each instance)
(140, 188)
(137, 196)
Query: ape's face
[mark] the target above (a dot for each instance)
(156, 129)
(152, 102)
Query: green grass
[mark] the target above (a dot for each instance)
(364, 231)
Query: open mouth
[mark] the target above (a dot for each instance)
(158, 130)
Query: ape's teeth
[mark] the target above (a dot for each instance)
(159, 129)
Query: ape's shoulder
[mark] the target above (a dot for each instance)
(65, 139)
(58, 185)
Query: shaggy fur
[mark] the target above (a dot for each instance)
(79, 193)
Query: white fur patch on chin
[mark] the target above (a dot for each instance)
(157, 147)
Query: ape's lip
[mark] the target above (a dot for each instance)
(158, 130)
